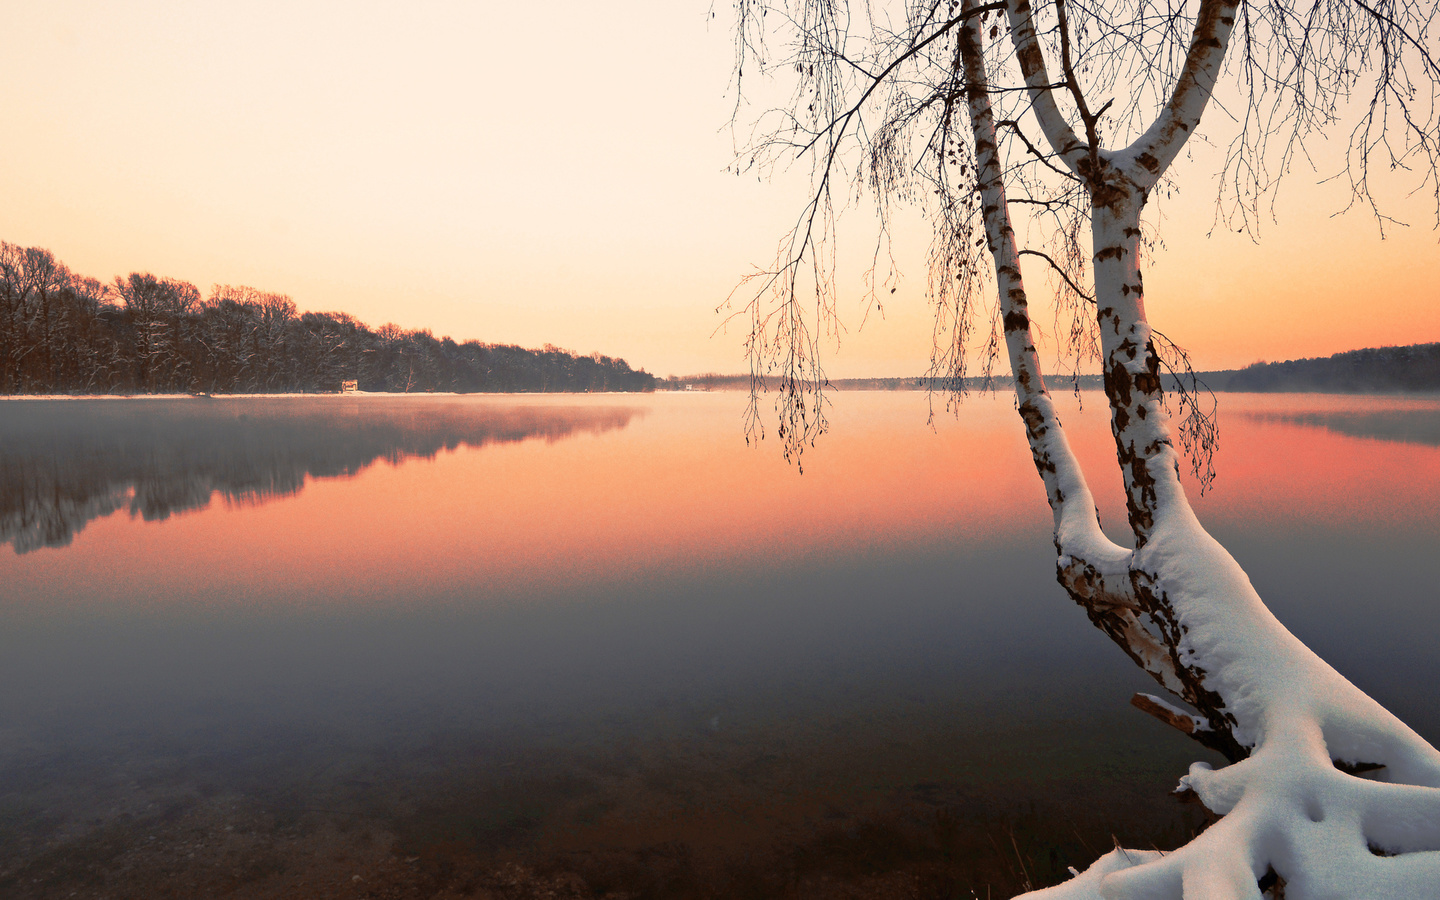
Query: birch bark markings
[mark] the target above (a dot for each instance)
(1119, 183)
(1065, 487)
(1296, 731)
(1093, 569)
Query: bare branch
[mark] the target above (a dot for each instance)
(1059, 271)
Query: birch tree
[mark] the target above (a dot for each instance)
(970, 110)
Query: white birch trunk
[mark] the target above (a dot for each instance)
(1296, 814)
(1090, 565)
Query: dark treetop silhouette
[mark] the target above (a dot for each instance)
(64, 333)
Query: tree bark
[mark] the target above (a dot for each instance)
(1094, 570)
(1293, 810)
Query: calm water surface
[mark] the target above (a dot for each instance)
(555, 627)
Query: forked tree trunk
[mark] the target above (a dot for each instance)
(1297, 817)
(1094, 569)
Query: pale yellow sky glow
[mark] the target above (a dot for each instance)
(522, 173)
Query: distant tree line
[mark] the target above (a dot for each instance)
(1379, 370)
(715, 381)
(65, 333)
(1376, 370)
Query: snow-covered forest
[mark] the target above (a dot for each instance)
(61, 332)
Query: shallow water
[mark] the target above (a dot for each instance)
(553, 627)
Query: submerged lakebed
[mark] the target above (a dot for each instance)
(590, 645)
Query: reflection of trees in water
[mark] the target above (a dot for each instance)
(65, 463)
(1410, 426)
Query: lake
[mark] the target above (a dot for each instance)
(590, 645)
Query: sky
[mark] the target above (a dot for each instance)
(553, 173)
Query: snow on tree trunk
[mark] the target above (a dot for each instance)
(1328, 794)
(1094, 569)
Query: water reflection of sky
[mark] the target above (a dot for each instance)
(1386, 419)
(644, 581)
(64, 464)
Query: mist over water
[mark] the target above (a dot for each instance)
(547, 623)
(1389, 419)
(66, 463)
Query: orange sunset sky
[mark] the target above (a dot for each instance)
(533, 173)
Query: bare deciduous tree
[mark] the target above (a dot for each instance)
(1073, 112)
(158, 308)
